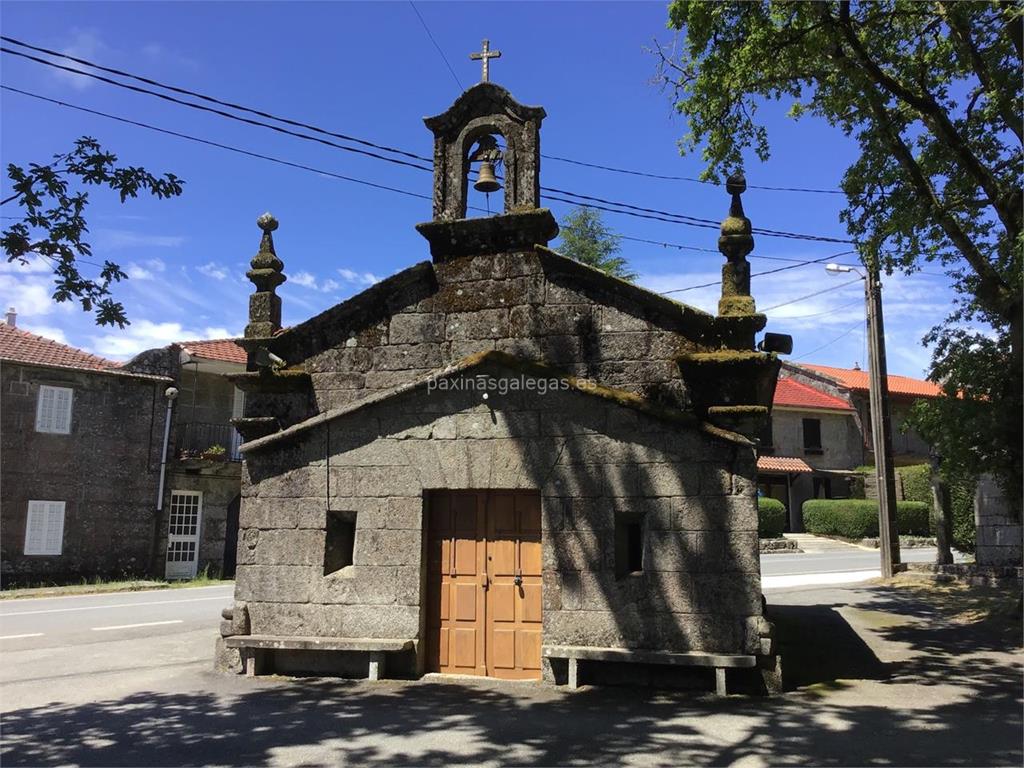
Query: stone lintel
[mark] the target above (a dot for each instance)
(266, 380)
(489, 235)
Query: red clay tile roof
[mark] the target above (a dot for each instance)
(226, 350)
(24, 347)
(782, 464)
(858, 380)
(793, 394)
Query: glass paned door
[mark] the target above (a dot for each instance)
(183, 534)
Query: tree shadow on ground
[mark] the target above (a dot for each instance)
(863, 711)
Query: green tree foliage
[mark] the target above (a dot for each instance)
(51, 223)
(931, 92)
(587, 239)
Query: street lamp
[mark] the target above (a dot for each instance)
(881, 428)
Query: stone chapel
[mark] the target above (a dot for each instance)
(500, 461)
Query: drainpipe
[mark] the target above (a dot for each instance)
(171, 393)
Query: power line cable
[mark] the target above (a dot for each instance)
(826, 312)
(438, 47)
(218, 145)
(761, 274)
(374, 185)
(343, 177)
(218, 112)
(213, 100)
(203, 97)
(844, 334)
(811, 295)
(654, 214)
(664, 177)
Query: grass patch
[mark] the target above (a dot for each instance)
(99, 585)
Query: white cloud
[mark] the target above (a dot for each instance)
(214, 270)
(30, 292)
(85, 44)
(358, 278)
(135, 272)
(168, 58)
(304, 279)
(145, 334)
(309, 280)
(49, 331)
(114, 239)
(36, 265)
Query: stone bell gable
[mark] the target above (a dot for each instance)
(500, 461)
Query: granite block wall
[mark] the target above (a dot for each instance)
(105, 471)
(591, 458)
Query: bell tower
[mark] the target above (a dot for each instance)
(466, 134)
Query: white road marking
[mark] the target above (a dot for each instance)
(118, 605)
(806, 579)
(133, 626)
(16, 637)
(114, 593)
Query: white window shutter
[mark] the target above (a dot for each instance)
(62, 411)
(35, 528)
(44, 528)
(53, 413)
(44, 413)
(55, 528)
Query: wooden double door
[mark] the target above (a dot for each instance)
(484, 583)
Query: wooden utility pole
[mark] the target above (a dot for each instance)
(888, 535)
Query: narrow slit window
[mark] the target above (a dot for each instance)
(629, 546)
(340, 543)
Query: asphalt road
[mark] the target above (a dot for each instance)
(87, 620)
(888, 681)
(852, 560)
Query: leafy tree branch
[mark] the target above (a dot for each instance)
(52, 221)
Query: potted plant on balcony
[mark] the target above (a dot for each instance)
(215, 453)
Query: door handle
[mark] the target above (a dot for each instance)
(484, 581)
(518, 580)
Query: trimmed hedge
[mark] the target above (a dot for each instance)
(858, 518)
(771, 518)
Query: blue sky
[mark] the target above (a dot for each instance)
(369, 70)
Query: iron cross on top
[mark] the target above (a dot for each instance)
(484, 56)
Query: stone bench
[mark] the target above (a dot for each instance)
(253, 648)
(720, 661)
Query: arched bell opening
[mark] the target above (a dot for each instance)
(486, 177)
(488, 169)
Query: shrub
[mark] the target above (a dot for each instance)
(917, 486)
(917, 482)
(858, 518)
(771, 518)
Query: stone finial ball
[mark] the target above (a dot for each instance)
(267, 222)
(736, 184)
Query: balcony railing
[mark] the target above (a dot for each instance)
(196, 439)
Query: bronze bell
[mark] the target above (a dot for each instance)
(485, 180)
